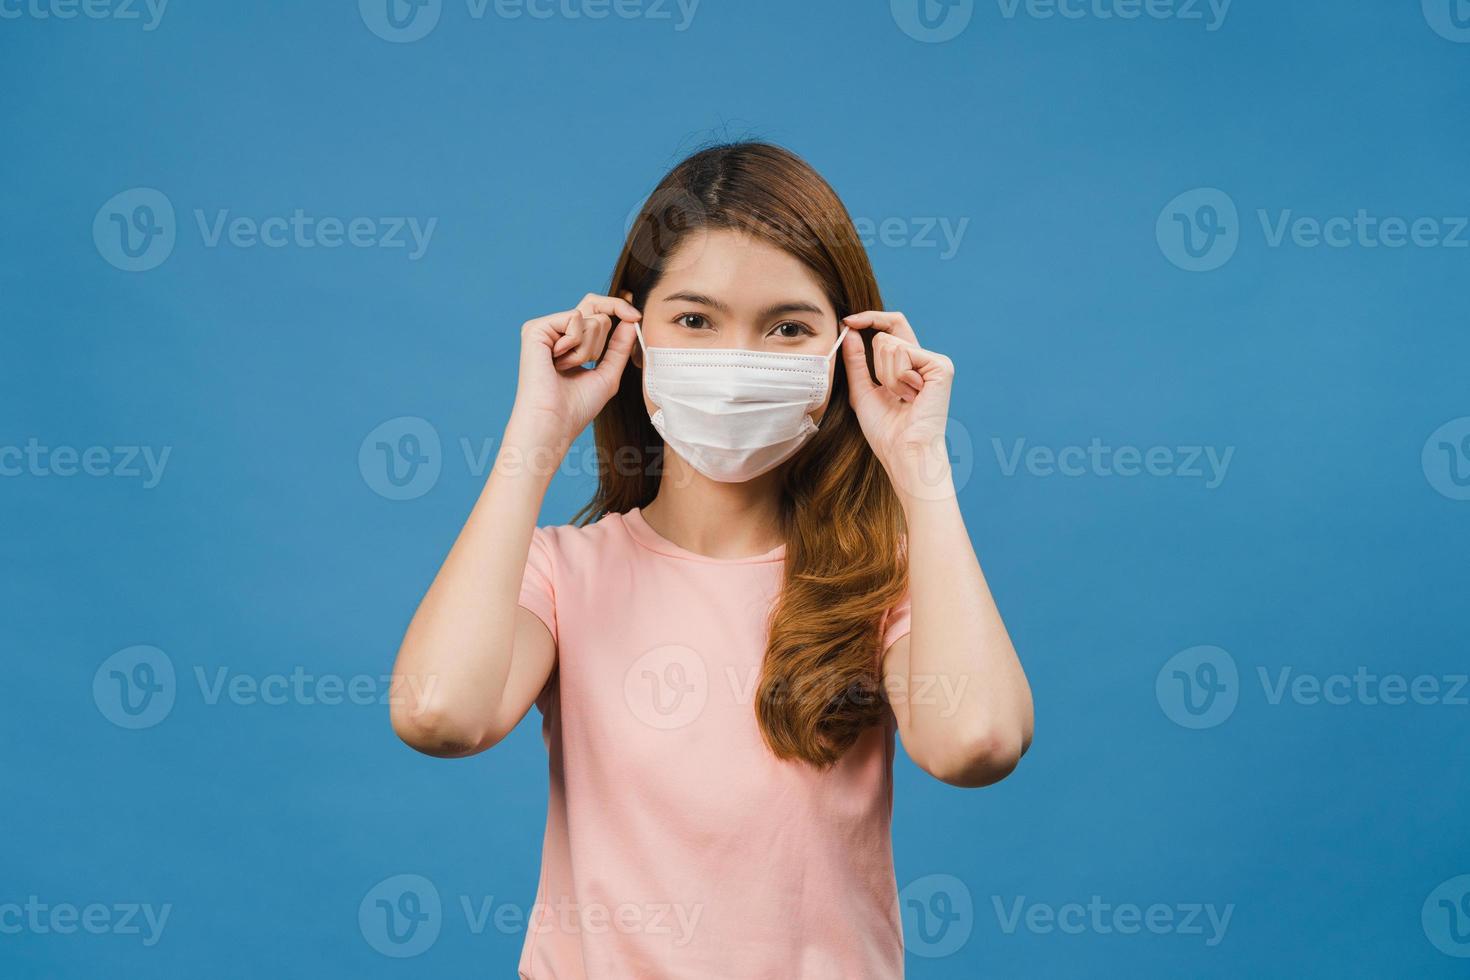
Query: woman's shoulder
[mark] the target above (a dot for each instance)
(580, 540)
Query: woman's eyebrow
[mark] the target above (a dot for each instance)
(776, 309)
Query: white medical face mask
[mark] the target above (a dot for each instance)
(734, 414)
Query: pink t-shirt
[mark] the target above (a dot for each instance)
(677, 846)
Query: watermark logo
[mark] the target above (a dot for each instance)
(938, 915)
(135, 687)
(307, 231)
(401, 916)
(1198, 687)
(1199, 230)
(402, 468)
(667, 687)
(1363, 229)
(1446, 917)
(650, 10)
(1446, 459)
(667, 216)
(301, 687)
(932, 21)
(37, 459)
(401, 459)
(1098, 917)
(39, 918)
(945, 468)
(404, 21)
(1449, 18)
(404, 457)
(1211, 13)
(939, 232)
(1208, 464)
(400, 21)
(959, 447)
(149, 12)
(135, 230)
(1363, 687)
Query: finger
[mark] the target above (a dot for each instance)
(883, 360)
(546, 330)
(904, 390)
(903, 382)
(854, 358)
(894, 323)
(594, 334)
(933, 369)
(572, 332)
(896, 365)
(615, 358)
(610, 306)
(930, 365)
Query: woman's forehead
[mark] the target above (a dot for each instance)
(738, 271)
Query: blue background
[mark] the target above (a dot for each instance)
(265, 547)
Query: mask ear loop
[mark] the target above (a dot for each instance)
(646, 374)
(841, 335)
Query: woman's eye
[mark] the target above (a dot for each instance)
(693, 321)
(792, 330)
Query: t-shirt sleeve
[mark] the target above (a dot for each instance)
(896, 622)
(538, 584)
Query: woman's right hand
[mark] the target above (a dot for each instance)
(555, 396)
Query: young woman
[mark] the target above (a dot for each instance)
(773, 577)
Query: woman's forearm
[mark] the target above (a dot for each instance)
(456, 657)
(969, 709)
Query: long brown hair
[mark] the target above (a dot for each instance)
(820, 684)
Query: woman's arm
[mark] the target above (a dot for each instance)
(958, 692)
(957, 688)
(473, 661)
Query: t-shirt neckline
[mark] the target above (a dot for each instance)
(643, 533)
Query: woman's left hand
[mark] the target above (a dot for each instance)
(903, 414)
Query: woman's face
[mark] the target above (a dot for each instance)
(724, 289)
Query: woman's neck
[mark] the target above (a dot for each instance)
(718, 520)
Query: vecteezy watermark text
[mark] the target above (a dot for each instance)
(148, 12)
(403, 915)
(1200, 230)
(137, 687)
(95, 918)
(939, 917)
(121, 462)
(136, 230)
(1097, 917)
(406, 21)
(669, 685)
(1200, 687)
(1210, 13)
(1209, 464)
(935, 21)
